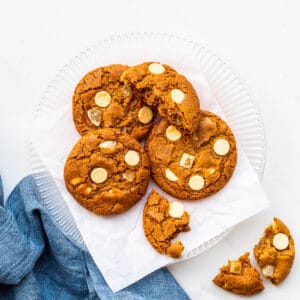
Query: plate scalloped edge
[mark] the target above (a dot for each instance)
(227, 87)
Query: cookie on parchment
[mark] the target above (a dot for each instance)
(162, 222)
(169, 91)
(275, 252)
(192, 166)
(107, 171)
(100, 100)
(239, 277)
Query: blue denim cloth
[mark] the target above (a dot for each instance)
(38, 262)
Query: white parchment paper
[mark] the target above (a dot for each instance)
(117, 244)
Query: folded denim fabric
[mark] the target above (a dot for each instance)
(38, 262)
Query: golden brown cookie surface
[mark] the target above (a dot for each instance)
(275, 252)
(107, 171)
(239, 277)
(100, 100)
(192, 166)
(162, 222)
(172, 94)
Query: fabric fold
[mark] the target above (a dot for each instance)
(38, 262)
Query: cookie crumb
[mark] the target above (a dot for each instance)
(175, 250)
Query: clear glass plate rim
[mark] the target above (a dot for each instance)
(108, 42)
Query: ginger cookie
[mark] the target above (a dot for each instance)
(100, 100)
(192, 166)
(107, 171)
(172, 94)
(239, 277)
(275, 252)
(163, 221)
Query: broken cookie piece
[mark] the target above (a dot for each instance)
(239, 277)
(275, 252)
(163, 221)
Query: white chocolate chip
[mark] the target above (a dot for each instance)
(88, 190)
(128, 176)
(207, 120)
(94, 116)
(211, 171)
(280, 241)
(99, 175)
(186, 160)
(108, 145)
(172, 133)
(132, 158)
(176, 210)
(156, 68)
(268, 270)
(177, 95)
(235, 267)
(145, 115)
(126, 129)
(221, 147)
(196, 182)
(127, 91)
(76, 181)
(102, 99)
(170, 175)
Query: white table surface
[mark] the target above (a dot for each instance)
(261, 41)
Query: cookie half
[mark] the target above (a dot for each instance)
(107, 171)
(172, 94)
(163, 221)
(239, 277)
(275, 252)
(100, 100)
(192, 166)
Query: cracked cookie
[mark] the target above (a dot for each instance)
(275, 252)
(239, 277)
(163, 221)
(107, 171)
(100, 100)
(172, 94)
(192, 166)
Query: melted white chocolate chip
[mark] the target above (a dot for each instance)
(127, 91)
(108, 145)
(88, 190)
(145, 115)
(95, 116)
(172, 133)
(99, 175)
(280, 241)
(76, 181)
(176, 210)
(211, 171)
(156, 68)
(170, 175)
(177, 96)
(268, 270)
(102, 99)
(221, 147)
(235, 267)
(187, 160)
(132, 158)
(196, 182)
(128, 176)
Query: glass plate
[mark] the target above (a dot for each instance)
(234, 97)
